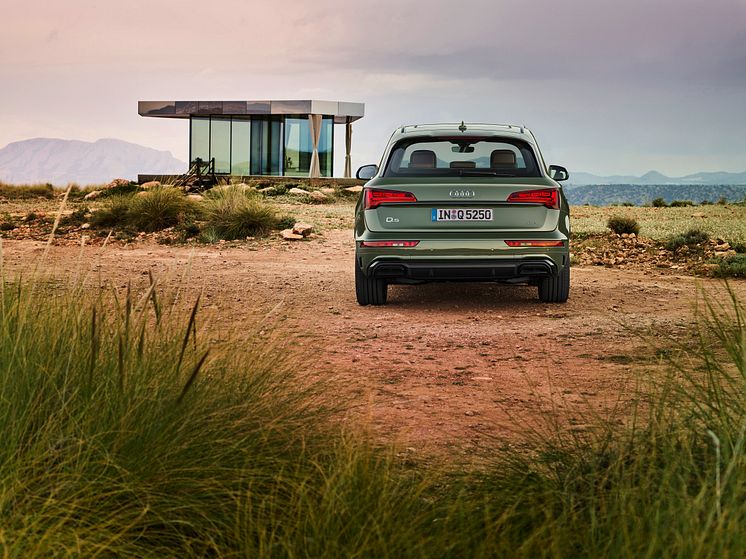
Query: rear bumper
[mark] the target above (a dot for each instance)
(520, 268)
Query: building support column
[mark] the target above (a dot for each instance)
(314, 123)
(348, 149)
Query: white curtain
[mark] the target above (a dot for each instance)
(314, 122)
(348, 148)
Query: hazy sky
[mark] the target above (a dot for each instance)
(607, 87)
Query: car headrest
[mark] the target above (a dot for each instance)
(422, 159)
(502, 158)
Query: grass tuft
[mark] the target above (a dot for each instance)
(233, 213)
(620, 225)
(692, 238)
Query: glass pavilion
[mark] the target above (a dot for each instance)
(285, 138)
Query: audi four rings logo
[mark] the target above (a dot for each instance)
(462, 193)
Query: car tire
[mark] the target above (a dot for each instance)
(369, 290)
(555, 289)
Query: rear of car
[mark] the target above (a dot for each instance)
(462, 203)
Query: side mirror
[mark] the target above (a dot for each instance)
(558, 173)
(367, 172)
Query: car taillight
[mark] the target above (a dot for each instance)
(530, 243)
(374, 197)
(389, 243)
(548, 197)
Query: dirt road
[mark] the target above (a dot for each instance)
(448, 368)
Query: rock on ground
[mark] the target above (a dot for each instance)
(298, 192)
(304, 229)
(289, 235)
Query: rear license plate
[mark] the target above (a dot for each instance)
(461, 214)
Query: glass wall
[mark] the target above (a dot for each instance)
(261, 145)
(298, 147)
(220, 144)
(199, 139)
(266, 146)
(240, 140)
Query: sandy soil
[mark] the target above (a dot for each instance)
(455, 368)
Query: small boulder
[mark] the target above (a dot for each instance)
(117, 182)
(92, 195)
(85, 226)
(195, 197)
(354, 189)
(267, 191)
(328, 190)
(318, 196)
(150, 184)
(289, 235)
(297, 192)
(303, 229)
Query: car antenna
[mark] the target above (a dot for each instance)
(462, 127)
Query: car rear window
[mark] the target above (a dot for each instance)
(460, 156)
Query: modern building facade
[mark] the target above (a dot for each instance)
(284, 138)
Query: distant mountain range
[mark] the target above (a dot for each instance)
(63, 161)
(585, 188)
(656, 178)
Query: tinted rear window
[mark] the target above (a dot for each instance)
(445, 157)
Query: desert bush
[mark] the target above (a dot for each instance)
(114, 213)
(739, 247)
(732, 266)
(722, 201)
(659, 203)
(627, 204)
(7, 225)
(159, 208)
(25, 191)
(119, 190)
(691, 238)
(77, 217)
(232, 213)
(681, 203)
(620, 225)
(129, 436)
(705, 203)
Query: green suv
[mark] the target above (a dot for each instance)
(468, 202)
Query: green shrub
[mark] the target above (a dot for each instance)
(681, 203)
(691, 239)
(722, 201)
(627, 204)
(620, 225)
(739, 247)
(231, 213)
(158, 208)
(77, 217)
(286, 222)
(659, 203)
(732, 267)
(114, 212)
(7, 226)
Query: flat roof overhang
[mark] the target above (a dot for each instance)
(342, 111)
